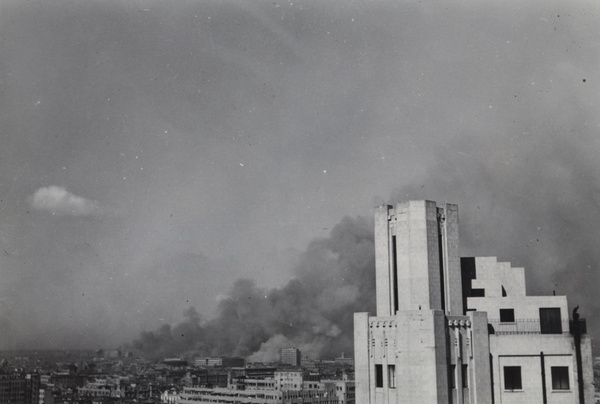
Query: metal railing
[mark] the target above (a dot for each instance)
(530, 326)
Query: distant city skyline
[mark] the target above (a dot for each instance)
(155, 155)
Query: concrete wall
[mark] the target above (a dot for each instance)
(362, 359)
(384, 281)
(416, 231)
(525, 351)
(525, 307)
(383, 352)
(588, 368)
(469, 345)
(493, 276)
(452, 270)
(417, 254)
(422, 368)
(481, 388)
(414, 343)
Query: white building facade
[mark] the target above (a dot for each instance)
(452, 330)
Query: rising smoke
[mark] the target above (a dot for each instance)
(546, 225)
(334, 278)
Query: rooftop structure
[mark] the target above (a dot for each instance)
(461, 330)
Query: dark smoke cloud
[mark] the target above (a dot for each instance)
(169, 340)
(334, 278)
(547, 224)
(195, 127)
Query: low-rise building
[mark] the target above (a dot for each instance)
(285, 386)
(219, 361)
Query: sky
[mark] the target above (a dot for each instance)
(156, 154)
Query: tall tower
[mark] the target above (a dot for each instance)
(420, 346)
(417, 258)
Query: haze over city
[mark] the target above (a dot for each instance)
(214, 165)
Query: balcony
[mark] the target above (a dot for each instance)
(532, 326)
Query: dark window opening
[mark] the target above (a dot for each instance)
(378, 375)
(550, 322)
(560, 378)
(507, 315)
(512, 378)
(465, 376)
(395, 273)
(468, 273)
(440, 213)
(452, 376)
(478, 292)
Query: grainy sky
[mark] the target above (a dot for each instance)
(152, 152)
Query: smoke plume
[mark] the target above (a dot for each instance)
(334, 278)
(544, 224)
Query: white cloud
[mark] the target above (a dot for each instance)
(62, 202)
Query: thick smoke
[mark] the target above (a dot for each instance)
(547, 224)
(168, 340)
(334, 278)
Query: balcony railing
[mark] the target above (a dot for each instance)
(533, 326)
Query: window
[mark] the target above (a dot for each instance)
(378, 375)
(452, 376)
(465, 376)
(507, 315)
(395, 273)
(550, 320)
(392, 376)
(560, 378)
(512, 378)
(477, 292)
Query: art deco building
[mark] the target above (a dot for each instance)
(452, 330)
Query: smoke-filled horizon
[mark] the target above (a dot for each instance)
(335, 278)
(154, 152)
